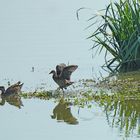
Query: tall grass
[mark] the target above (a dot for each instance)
(119, 35)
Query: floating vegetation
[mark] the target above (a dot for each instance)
(118, 87)
(41, 95)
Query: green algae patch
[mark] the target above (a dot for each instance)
(41, 95)
(84, 92)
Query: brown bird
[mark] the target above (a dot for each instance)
(62, 75)
(13, 89)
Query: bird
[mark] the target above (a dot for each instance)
(62, 75)
(59, 68)
(13, 89)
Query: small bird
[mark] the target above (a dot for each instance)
(62, 75)
(13, 89)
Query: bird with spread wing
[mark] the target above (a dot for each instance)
(62, 75)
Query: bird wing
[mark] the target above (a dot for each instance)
(59, 68)
(15, 88)
(67, 71)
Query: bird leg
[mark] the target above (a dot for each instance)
(63, 92)
(58, 88)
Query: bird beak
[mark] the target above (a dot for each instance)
(50, 72)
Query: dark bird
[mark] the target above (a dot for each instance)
(62, 75)
(13, 89)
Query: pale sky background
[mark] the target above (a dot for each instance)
(43, 33)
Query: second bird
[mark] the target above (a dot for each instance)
(62, 75)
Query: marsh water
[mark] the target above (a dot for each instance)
(35, 36)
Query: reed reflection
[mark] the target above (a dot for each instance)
(124, 114)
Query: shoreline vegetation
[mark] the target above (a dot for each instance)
(118, 97)
(118, 88)
(115, 31)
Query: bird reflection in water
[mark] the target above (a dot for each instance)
(62, 112)
(13, 99)
(11, 94)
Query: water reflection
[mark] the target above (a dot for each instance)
(62, 112)
(125, 115)
(12, 99)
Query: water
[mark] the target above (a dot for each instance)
(34, 121)
(42, 34)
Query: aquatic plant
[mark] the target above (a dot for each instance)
(118, 33)
(46, 95)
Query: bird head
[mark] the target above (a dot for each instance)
(2, 89)
(19, 84)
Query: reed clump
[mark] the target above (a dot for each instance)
(118, 33)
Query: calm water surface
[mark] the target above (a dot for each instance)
(35, 120)
(41, 34)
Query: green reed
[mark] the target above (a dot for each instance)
(119, 34)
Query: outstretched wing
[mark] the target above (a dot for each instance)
(59, 68)
(67, 71)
